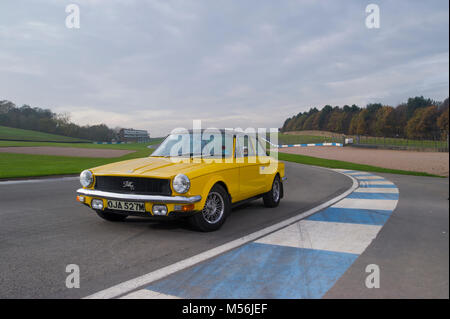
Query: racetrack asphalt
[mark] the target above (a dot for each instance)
(43, 229)
(411, 250)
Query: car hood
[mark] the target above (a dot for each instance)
(158, 167)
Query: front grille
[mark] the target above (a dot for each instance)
(133, 185)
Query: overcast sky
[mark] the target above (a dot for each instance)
(158, 65)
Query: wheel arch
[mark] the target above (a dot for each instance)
(222, 183)
(208, 184)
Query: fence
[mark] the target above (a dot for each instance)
(288, 139)
(436, 144)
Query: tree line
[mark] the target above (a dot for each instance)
(44, 120)
(418, 118)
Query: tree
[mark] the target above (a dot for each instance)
(308, 124)
(35, 118)
(417, 102)
(336, 121)
(423, 123)
(443, 106)
(362, 124)
(321, 120)
(285, 124)
(385, 121)
(299, 121)
(375, 119)
(352, 129)
(373, 107)
(442, 123)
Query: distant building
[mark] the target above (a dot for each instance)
(131, 135)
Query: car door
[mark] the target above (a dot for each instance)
(249, 169)
(267, 166)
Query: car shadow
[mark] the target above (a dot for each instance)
(170, 224)
(245, 210)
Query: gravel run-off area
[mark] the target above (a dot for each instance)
(65, 151)
(429, 162)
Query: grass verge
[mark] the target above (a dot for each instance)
(131, 146)
(25, 165)
(304, 139)
(308, 160)
(11, 133)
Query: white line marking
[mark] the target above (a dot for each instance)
(360, 173)
(148, 294)
(369, 177)
(376, 190)
(384, 204)
(330, 236)
(39, 180)
(146, 279)
(363, 183)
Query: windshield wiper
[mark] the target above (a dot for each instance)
(197, 154)
(190, 154)
(185, 154)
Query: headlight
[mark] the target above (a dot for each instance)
(181, 183)
(86, 178)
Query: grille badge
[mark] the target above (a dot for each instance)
(128, 184)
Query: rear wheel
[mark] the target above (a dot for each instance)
(216, 209)
(272, 198)
(112, 217)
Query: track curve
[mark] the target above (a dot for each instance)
(44, 229)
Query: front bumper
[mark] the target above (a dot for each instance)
(177, 206)
(140, 198)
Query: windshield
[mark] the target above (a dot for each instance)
(205, 144)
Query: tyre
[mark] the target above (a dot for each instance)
(272, 198)
(112, 217)
(216, 209)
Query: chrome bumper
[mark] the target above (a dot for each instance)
(140, 198)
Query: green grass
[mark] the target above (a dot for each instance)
(25, 165)
(308, 160)
(388, 141)
(10, 133)
(303, 139)
(132, 146)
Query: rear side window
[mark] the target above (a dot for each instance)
(244, 146)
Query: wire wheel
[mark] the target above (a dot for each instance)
(276, 190)
(214, 208)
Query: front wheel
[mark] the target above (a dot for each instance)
(216, 209)
(112, 217)
(272, 197)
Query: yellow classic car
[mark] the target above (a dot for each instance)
(197, 175)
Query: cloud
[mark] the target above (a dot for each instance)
(157, 65)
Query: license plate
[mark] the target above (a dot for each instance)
(128, 206)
